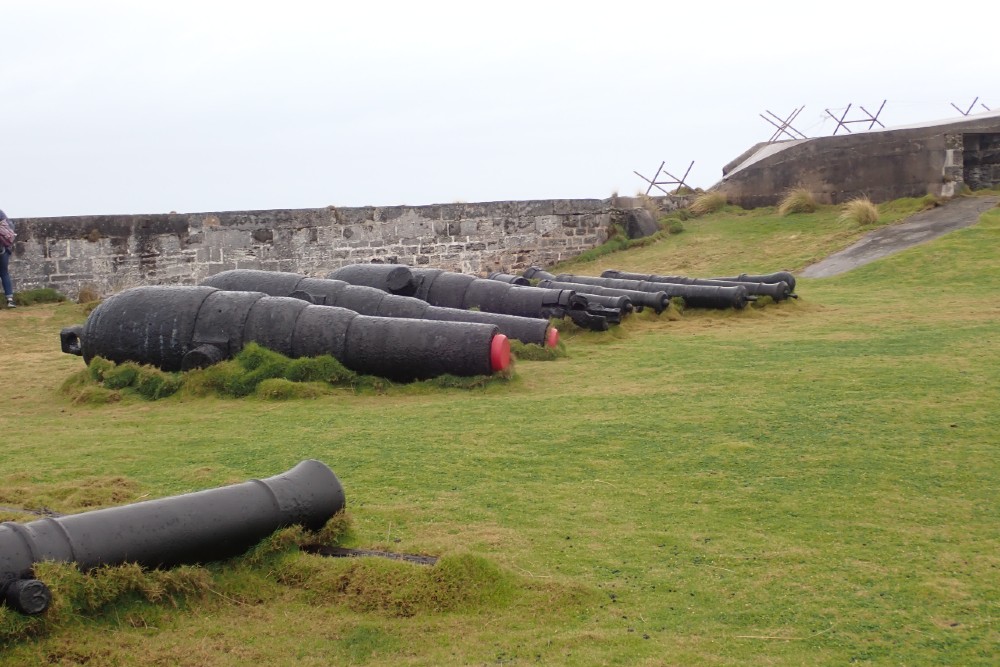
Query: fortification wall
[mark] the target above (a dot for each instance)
(112, 252)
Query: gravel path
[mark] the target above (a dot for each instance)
(924, 226)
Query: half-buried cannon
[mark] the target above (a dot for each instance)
(779, 291)
(376, 302)
(457, 290)
(181, 328)
(192, 528)
(695, 296)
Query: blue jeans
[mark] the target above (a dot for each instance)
(8, 285)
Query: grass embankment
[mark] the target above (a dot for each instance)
(815, 481)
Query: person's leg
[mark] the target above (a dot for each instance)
(8, 285)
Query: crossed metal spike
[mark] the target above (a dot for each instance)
(784, 125)
(872, 120)
(969, 110)
(679, 182)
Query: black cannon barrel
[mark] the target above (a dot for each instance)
(695, 296)
(378, 303)
(619, 303)
(509, 278)
(778, 291)
(180, 328)
(777, 277)
(456, 290)
(192, 528)
(658, 301)
(537, 273)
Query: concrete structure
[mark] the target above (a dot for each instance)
(111, 252)
(933, 158)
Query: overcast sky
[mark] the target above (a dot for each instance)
(152, 107)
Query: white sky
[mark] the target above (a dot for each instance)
(151, 107)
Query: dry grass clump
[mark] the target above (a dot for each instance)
(860, 210)
(707, 202)
(797, 200)
(650, 204)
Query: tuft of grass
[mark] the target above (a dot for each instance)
(88, 294)
(860, 211)
(675, 227)
(120, 376)
(526, 352)
(797, 200)
(399, 589)
(153, 384)
(707, 202)
(324, 368)
(280, 389)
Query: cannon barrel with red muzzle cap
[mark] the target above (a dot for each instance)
(378, 303)
(182, 328)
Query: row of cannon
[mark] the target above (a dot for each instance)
(386, 320)
(393, 321)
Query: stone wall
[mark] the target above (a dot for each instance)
(112, 252)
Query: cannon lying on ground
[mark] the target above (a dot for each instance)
(191, 528)
(780, 276)
(457, 290)
(779, 291)
(695, 296)
(181, 328)
(658, 301)
(376, 302)
(607, 299)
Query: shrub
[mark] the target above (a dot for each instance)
(798, 200)
(40, 295)
(675, 227)
(861, 211)
(707, 202)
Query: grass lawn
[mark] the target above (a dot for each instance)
(811, 482)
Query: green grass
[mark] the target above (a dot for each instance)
(812, 482)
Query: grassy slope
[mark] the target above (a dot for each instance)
(815, 481)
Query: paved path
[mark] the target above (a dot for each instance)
(924, 226)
